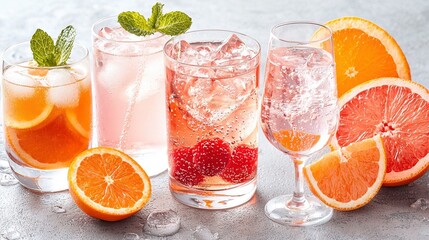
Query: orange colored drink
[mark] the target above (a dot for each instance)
(47, 120)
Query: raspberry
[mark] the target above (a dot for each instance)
(211, 156)
(242, 166)
(183, 168)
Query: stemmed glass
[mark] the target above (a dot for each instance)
(299, 110)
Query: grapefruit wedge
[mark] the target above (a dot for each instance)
(398, 111)
(348, 178)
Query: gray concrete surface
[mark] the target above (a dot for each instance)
(388, 216)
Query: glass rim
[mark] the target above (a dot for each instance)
(273, 35)
(10, 63)
(106, 19)
(258, 52)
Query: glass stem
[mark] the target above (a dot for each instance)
(298, 200)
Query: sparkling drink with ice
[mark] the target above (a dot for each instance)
(299, 111)
(47, 116)
(212, 98)
(129, 86)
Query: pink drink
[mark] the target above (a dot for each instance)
(130, 94)
(298, 101)
(212, 98)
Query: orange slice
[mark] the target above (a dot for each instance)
(350, 177)
(108, 184)
(296, 141)
(49, 147)
(396, 109)
(28, 111)
(364, 51)
(80, 116)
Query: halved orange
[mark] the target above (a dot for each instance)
(364, 51)
(108, 184)
(348, 178)
(396, 109)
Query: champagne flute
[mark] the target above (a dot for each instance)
(299, 111)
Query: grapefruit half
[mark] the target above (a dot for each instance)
(397, 110)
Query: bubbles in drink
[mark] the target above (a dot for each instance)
(64, 92)
(300, 93)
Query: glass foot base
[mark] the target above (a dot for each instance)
(312, 213)
(213, 199)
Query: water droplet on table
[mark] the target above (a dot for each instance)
(203, 233)
(131, 236)
(11, 234)
(162, 223)
(58, 209)
(421, 203)
(7, 179)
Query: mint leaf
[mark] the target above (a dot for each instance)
(64, 45)
(42, 46)
(156, 14)
(135, 23)
(174, 23)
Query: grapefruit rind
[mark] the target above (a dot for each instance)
(364, 199)
(393, 178)
(93, 208)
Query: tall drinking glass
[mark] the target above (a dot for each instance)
(47, 116)
(299, 110)
(129, 79)
(212, 99)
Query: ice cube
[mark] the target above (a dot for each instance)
(421, 203)
(22, 83)
(203, 233)
(131, 236)
(232, 51)
(162, 223)
(212, 100)
(183, 51)
(58, 209)
(7, 179)
(64, 90)
(112, 74)
(11, 234)
(152, 76)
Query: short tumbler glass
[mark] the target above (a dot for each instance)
(212, 117)
(47, 116)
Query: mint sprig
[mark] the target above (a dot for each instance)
(172, 23)
(46, 54)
